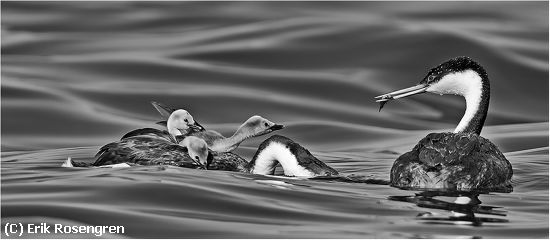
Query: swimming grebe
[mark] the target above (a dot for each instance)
(192, 152)
(294, 159)
(148, 146)
(253, 127)
(461, 160)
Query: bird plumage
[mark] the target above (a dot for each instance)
(143, 150)
(150, 132)
(300, 158)
(458, 161)
(252, 127)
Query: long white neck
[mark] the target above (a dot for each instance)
(266, 160)
(474, 89)
(472, 94)
(230, 143)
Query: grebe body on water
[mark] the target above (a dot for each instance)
(294, 159)
(191, 152)
(461, 160)
(148, 146)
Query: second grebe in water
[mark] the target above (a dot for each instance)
(295, 160)
(461, 160)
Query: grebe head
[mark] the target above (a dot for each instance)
(459, 76)
(180, 122)
(197, 150)
(257, 126)
(166, 112)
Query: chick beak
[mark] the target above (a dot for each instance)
(199, 164)
(196, 127)
(276, 127)
(383, 99)
(201, 167)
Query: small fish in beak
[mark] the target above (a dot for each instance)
(383, 99)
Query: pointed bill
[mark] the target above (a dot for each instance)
(383, 99)
(197, 127)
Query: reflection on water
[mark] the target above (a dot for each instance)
(77, 75)
(463, 207)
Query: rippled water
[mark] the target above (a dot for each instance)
(78, 75)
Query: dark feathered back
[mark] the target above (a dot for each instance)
(144, 151)
(452, 160)
(304, 157)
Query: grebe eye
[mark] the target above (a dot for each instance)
(197, 157)
(186, 120)
(266, 124)
(431, 78)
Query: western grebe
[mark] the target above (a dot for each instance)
(461, 160)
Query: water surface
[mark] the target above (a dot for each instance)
(77, 75)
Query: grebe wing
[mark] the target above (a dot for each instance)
(162, 123)
(163, 110)
(149, 132)
(309, 161)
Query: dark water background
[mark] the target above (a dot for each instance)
(77, 75)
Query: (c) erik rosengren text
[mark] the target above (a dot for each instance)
(18, 229)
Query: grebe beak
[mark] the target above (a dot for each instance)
(196, 127)
(276, 127)
(202, 167)
(383, 99)
(199, 164)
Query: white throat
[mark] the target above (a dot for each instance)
(266, 161)
(467, 84)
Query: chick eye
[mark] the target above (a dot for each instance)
(266, 124)
(186, 120)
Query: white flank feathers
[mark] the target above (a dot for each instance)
(278, 152)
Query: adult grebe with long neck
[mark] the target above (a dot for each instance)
(295, 160)
(461, 160)
(253, 127)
